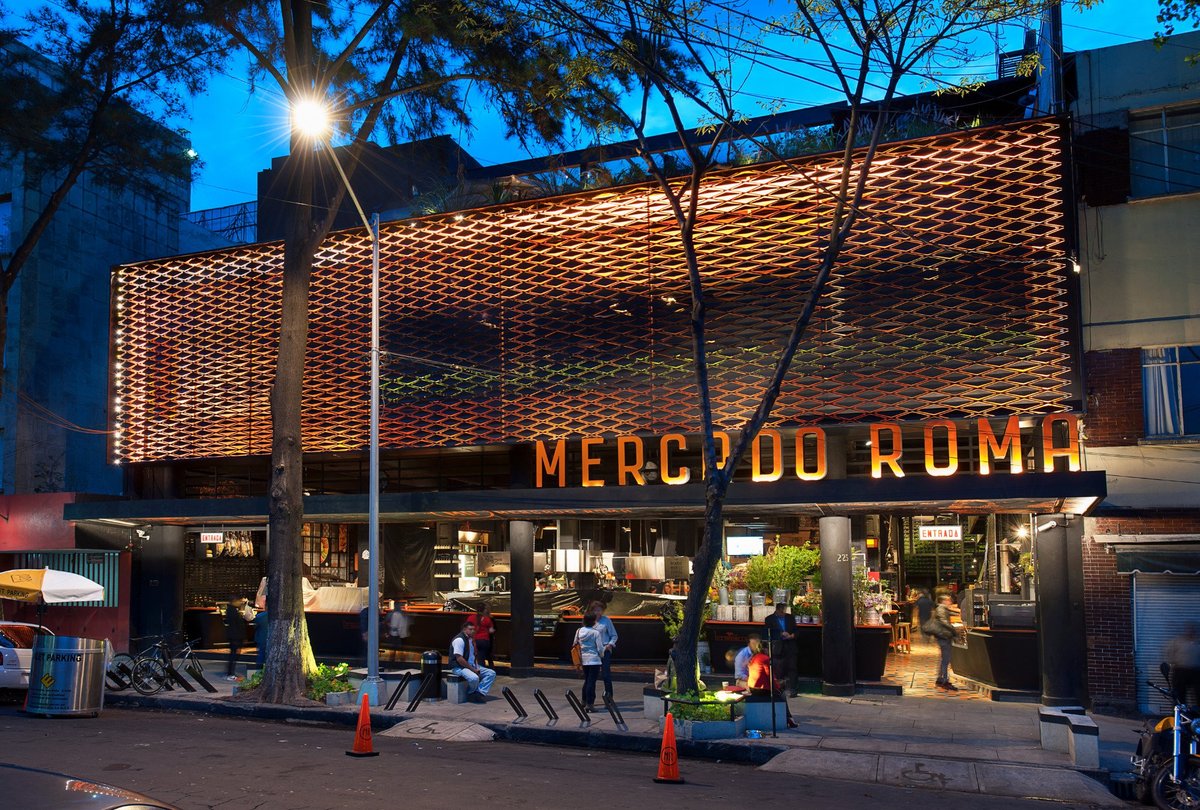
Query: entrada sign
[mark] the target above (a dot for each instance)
(766, 452)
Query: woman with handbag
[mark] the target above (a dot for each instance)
(590, 645)
(941, 627)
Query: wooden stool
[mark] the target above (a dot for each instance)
(900, 640)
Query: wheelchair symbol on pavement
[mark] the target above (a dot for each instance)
(919, 775)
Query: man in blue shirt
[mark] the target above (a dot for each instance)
(741, 663)
(608, 637)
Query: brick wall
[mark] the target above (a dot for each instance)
(1114, 397)
(1108, 613)
(1108, 604)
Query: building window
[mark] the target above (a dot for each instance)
(1164, 147)
(1171, 391)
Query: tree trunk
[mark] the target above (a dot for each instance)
(683, 654)
(289, 656)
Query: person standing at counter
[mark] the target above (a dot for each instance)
(235, 631)
(464, 663)
(262, 638)
(485, 633)
(608, 640)
(781, 633)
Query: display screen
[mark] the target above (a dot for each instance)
(743, 546)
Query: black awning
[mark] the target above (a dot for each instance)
(1183, 560)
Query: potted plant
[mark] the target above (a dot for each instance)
(807, 607)
(783, 568)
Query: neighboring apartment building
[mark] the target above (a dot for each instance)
(54, 410)
(1137, 122)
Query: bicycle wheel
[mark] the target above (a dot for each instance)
(119, 668)
(1171, 795)
(149, 676)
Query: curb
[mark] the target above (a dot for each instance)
(258, 711)
(635, 743)
(748, 754)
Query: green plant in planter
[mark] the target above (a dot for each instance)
(783, 567)
(326, 679)
(703, 707)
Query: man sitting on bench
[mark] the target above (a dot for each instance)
(462, 663)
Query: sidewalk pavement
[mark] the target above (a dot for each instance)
(917, 742)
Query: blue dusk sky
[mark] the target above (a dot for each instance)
(236, 132)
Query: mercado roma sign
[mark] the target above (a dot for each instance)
(1057, 436)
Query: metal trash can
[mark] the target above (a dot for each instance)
(66, 677)
(431, 661)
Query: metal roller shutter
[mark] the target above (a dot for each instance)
(1162, 606)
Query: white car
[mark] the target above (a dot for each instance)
(16, 653)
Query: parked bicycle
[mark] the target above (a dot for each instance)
(1176, 783)
(149, 672)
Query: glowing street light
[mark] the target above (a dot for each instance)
(312, 118)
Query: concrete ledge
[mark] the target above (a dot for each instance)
(1083, 743)
(456, 688)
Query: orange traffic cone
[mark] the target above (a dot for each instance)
(362, 735)
(668, 756)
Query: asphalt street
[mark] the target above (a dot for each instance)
(214, 762)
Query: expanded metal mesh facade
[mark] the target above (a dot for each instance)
(569, 316)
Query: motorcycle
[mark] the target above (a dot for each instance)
(1153, 750)
(1168, 754)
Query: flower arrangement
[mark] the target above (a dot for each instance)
(807, 605)
(877, 601)
(737, 578)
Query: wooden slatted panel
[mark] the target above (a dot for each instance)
(568, 316)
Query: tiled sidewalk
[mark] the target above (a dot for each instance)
(866, 738)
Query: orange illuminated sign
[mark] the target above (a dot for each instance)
(1056, 438)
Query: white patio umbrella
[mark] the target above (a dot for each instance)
(48, 586)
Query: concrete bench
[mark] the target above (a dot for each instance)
(455, 686)
(757, 711)
(1083, 742)
(1053, 727)
(1068, 729)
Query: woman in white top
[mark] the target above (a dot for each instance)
(591, 652)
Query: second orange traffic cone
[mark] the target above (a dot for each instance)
(668, 755)
(362, 734)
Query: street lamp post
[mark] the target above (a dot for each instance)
(314, 120)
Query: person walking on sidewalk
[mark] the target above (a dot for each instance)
(924, 606)
(464, 664)
(941, 627)
(608, 638)
(591, 653)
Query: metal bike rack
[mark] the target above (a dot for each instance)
(429, 681)
(173, 675)
(395, 698)
(544, 702)
(522, 715)
(198, 677)
(577, 707)
(615, 713)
